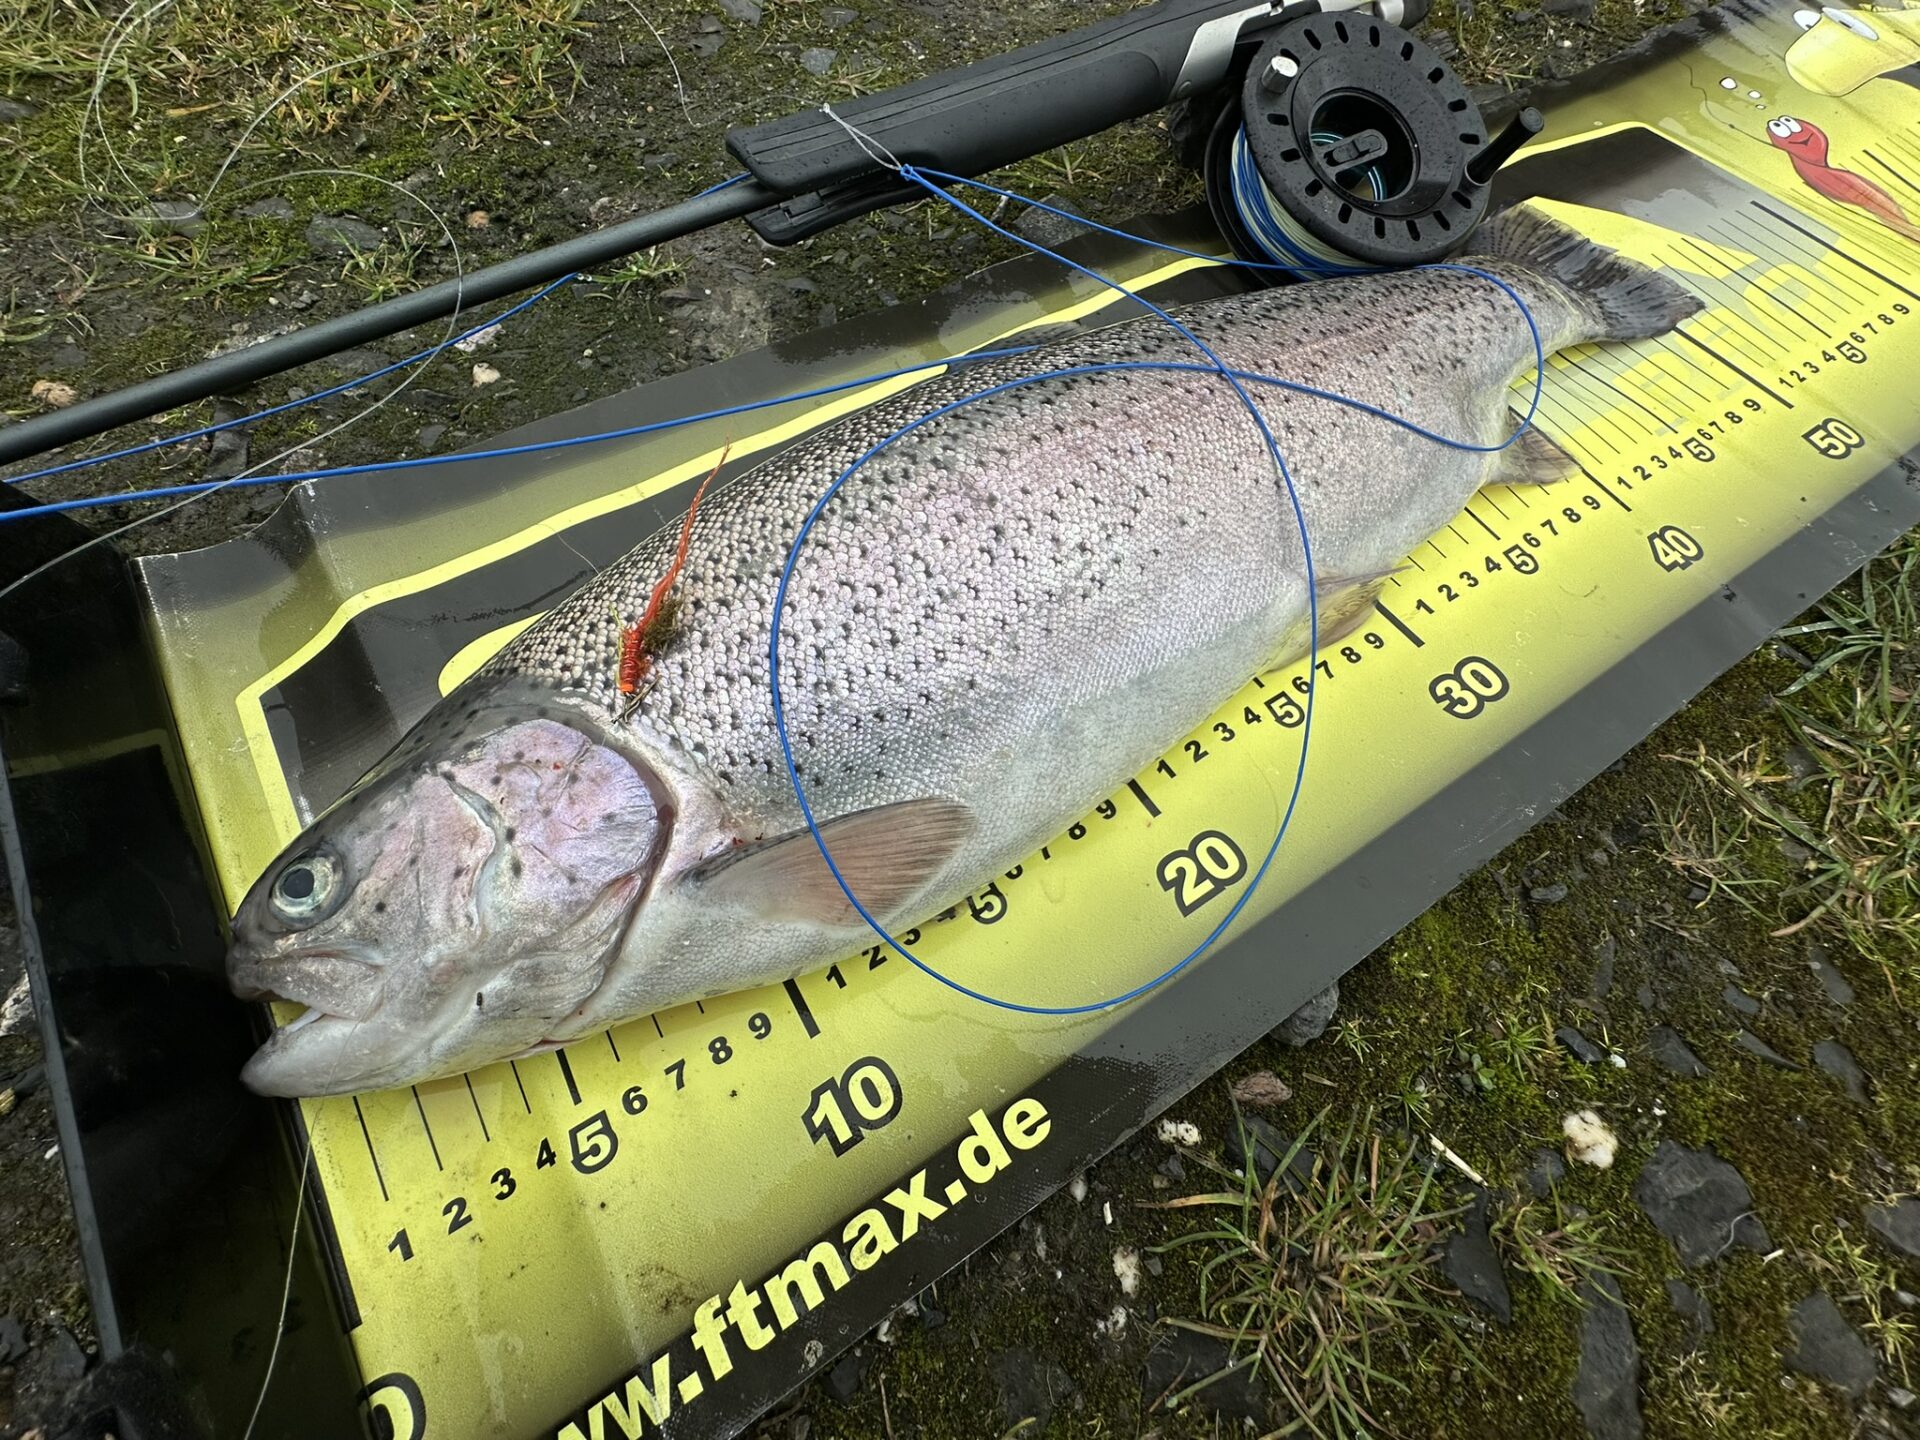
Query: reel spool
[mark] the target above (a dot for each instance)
(1353, 146)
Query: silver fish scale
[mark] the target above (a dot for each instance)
(985, 572)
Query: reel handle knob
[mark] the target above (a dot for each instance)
(1523, 127)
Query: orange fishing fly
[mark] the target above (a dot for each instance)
(647, 636)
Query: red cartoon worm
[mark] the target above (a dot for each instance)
(1806, 146)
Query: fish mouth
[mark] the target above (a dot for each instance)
(327, 981)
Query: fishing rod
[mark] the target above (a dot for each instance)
(1392, 143)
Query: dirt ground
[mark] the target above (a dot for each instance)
(1638, 919)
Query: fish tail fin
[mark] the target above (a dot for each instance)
(1628, 300)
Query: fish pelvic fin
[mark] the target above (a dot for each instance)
(1344, 602)
(886, 855)
(1533, 459)
(1627, 300)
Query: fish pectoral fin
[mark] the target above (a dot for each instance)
(886, 855)
(1342, 602)
(1533, 459)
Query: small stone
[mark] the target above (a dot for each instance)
(1043, 227)
(1901, 1399)
(170, 217)
(1172, 1168)
(1644, 997)
(1181, 1359)
(16, 1011)
(1671, 1052)
(1754, 1045)
(838, 17)
(1897, 1224)
(1310, 1021)
(1548, 894)
(665, 160)
(931, 1315)
(844, 1380)
(817, 61)
(479, 339)
(52, 1365)
(1178, 1132)
(1700, 1203)
(711, 25)
(1839, 989)
(1591, 1142)
(747, 12)
(1603, 957)
(484, 374)
(1470, 1263)
(1547, 1171)
(1579, 1046)
(428, 437)
(338, 235)
(54, 394)
(1030, 1387)
(800, 285)
(1570, 9)
(272, 207)
(1263, 1088)
(13, 1340)
(706, 46)
(1738, 1000)
(1126, 1269)
(13, 111)
(1269, 1147)
(1606, 1388)
(1690, 1305)
(1826, 1347)
(1834, 1058)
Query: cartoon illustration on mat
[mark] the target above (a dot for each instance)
(1845, 47)
(1806, 145)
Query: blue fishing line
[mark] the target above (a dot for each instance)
(147, 447)
(166, 492)
(1313, 618)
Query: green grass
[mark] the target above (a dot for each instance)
(1847, 813)
(1560, 1247)
(1861, 1277)
(1325, 1292)
(135, 98)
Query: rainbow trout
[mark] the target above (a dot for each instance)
(997, 621)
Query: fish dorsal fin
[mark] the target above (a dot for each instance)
(887, 855)
(1533, 459)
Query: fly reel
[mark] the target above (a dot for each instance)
(1353, 146)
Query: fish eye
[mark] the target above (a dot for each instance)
(307, 889)
(1806, 19)
(1851, 19)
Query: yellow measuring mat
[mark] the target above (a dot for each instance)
(688, 1215)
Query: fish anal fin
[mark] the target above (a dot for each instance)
(1535, 458)
(886, 854)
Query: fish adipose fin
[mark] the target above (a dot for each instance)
(1630, 300)
(887, 855)
(1534, 459)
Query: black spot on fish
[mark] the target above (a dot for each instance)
(517, 868)
(479, 1001)
(508, 833)
(458, 871)
(379, 907)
